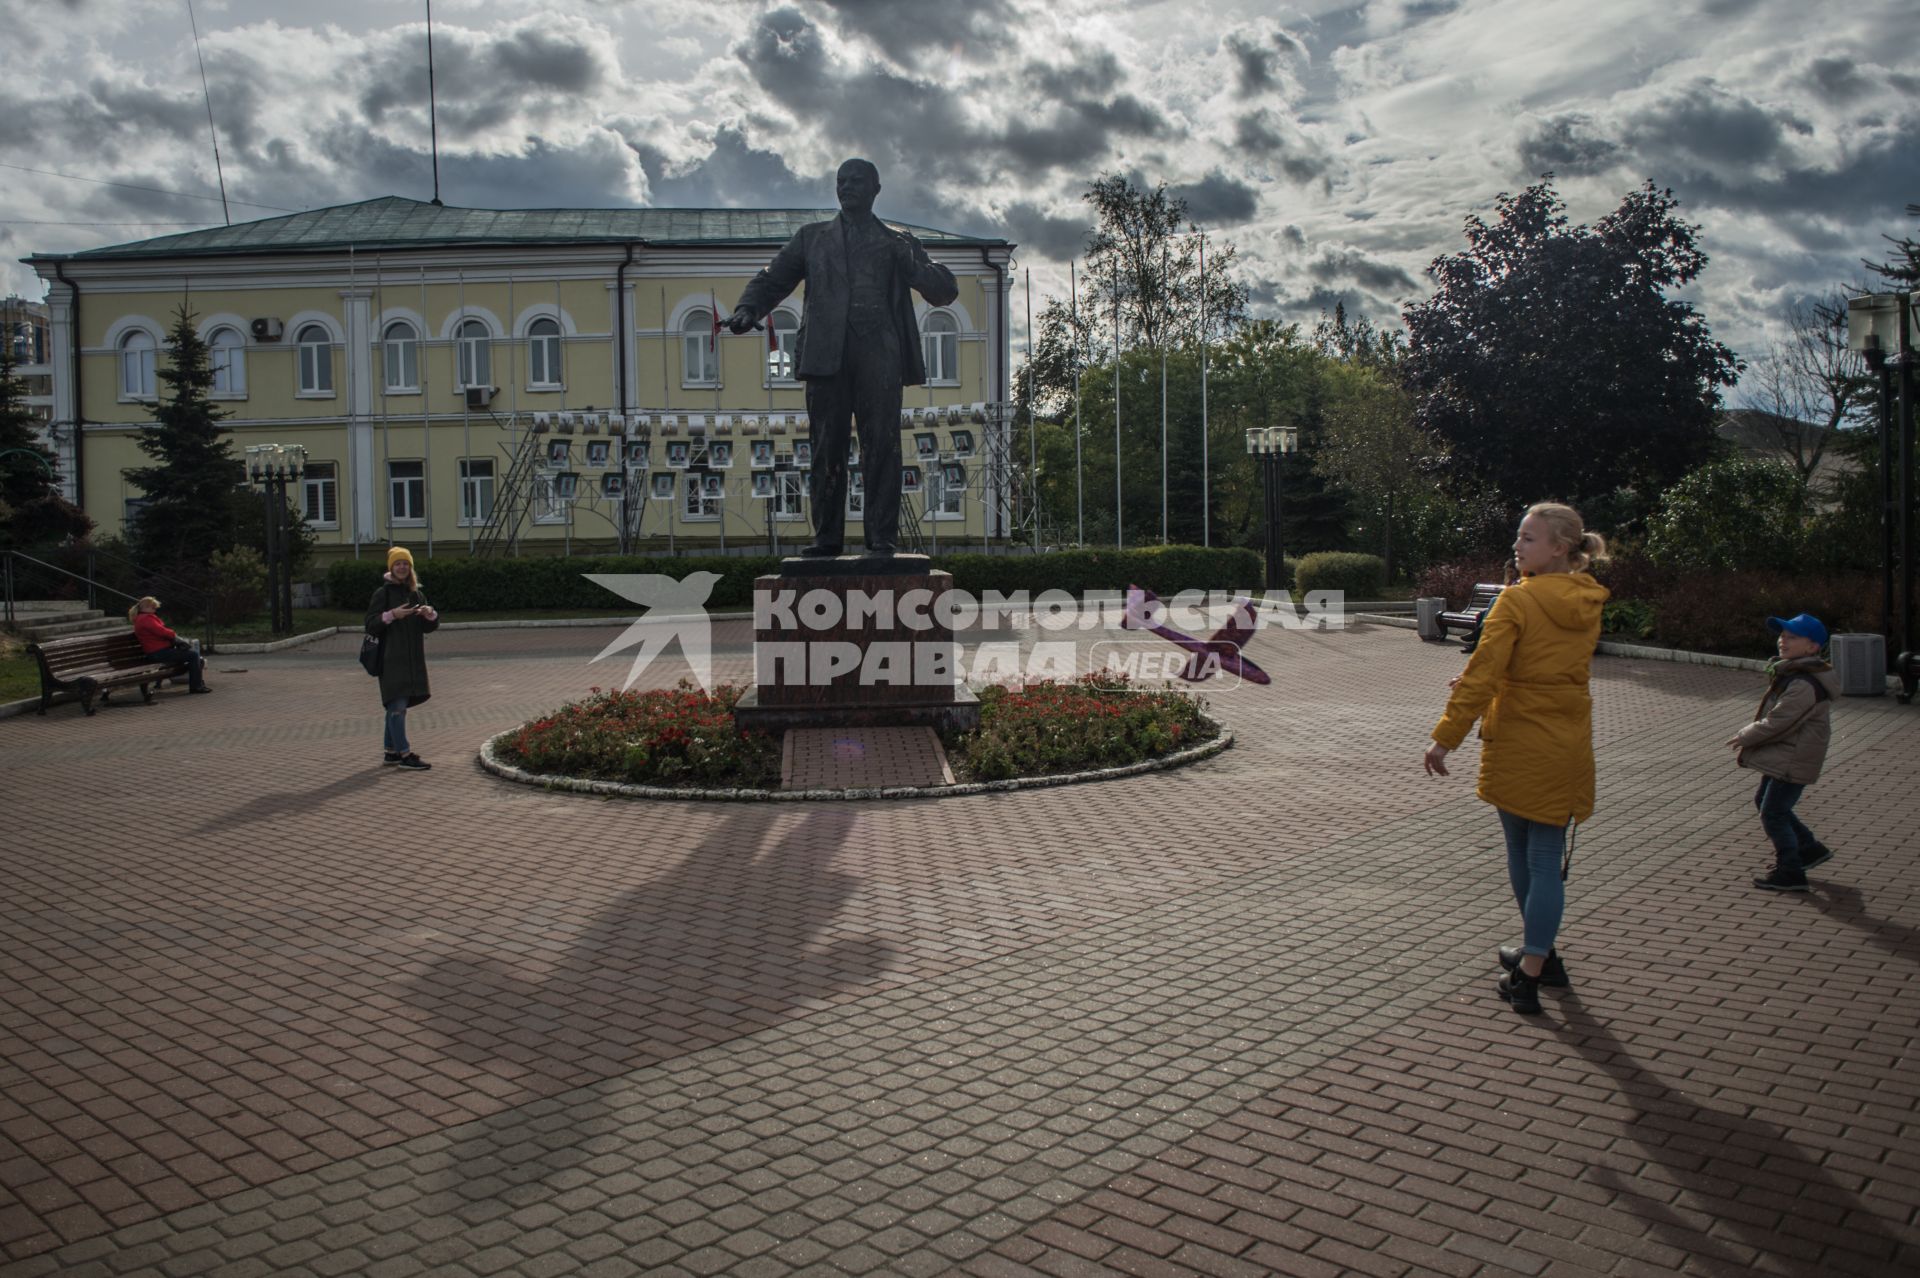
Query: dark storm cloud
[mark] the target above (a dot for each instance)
(1266, 137)
(108, 120)
(1367, 272)
(1257, 55)
(483, 80)
(734, 175)
(1033, 228)
(1706, 122)
(1218, 200)
(904, 29)
(1568, 144)
(1837, 79)
(1873, 185)
(361, 165)
(912, 125)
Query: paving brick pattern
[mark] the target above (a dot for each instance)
(862, 758)
(268, 1008)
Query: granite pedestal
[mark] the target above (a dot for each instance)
(854, 641)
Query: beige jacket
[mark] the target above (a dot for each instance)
(1789, 734)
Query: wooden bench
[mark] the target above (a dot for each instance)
(1470, 617)
(92, 666)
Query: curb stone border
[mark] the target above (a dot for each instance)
(1642, 652)
(628, 790)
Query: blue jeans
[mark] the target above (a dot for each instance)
(1775, 799)
(397, 726)
(1533, 865)
(186, 658)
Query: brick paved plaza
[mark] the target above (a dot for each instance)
(269, 1008)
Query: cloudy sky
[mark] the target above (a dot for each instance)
(1339, 146)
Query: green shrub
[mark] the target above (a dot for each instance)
(239, 585)
(1454, 580)
(1734, 514)
(1631, 617)
(1360, 576)
(1726, 612)
(475, 585)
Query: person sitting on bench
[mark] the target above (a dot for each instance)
(163, 644)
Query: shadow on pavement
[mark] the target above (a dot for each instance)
(1842, 903)
(1745, 1171)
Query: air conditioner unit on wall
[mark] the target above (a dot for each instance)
(480, 396)
(267, 329)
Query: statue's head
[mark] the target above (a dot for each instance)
(857, 182)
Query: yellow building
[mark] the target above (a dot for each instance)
(517, 380)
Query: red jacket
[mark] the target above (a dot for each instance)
(152, 632)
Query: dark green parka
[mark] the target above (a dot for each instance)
(403, 664)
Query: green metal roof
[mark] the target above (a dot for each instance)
(395, 223)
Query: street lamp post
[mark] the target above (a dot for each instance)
(273, 467)
(1271, 444)
(1881, 327)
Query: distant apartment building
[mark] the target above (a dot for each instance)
(27, 329)
(543, 379)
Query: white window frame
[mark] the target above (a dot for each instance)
(472, 485)
(394, 488)
(789, 495)
(699, 364)
(401, 355)
(547, 508)
(933, 480)
(320, 488)
(139, 353)
(473, 347)
(695, 505)
(940, 347)
(130, 511)
(788, 342)
(546, 370)
(228, 361)
(313, 363)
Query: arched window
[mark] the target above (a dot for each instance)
(940, 336)
(786, 327)
(476, 353)
(136, 364)
(543, 349)
(400, 349)
(227, 351)
(702, 361)
(316, 359)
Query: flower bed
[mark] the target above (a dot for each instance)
(672, 737)
(686, 738)
(1099, 720)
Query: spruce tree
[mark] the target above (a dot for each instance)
(32, 511)
(191, 488)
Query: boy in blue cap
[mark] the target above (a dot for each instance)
(1787, 744)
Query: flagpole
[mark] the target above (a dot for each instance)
(1033, 448)
(1079, 473)
(1206, 480)
(1118, 543)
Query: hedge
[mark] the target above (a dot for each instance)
(1361, 576)
(475, 585)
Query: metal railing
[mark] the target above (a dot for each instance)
(11, 575)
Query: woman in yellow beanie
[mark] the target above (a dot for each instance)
(400, 617)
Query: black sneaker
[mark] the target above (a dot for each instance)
(413, 763)
(1553, 975)
(392, 756)
(1522, 991)
(1779, 881)
(1820, 855)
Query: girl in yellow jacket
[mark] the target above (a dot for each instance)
(1527, 684)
